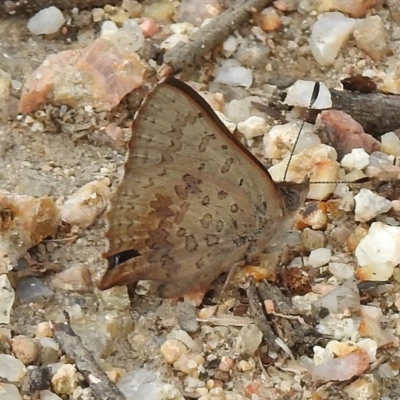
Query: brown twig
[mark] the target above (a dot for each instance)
(377, 113)
(71, 344)
(207, 37)
(31, 6)
(258, 314)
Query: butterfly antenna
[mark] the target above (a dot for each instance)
(359, 180)
(314, 96)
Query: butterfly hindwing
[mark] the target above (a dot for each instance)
(191, 198)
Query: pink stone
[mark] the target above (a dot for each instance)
(99, 75)
(341, 368)
(339, 130)
(149, 27)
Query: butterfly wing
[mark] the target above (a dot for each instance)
(192, 196)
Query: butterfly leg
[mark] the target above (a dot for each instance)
(228, 279)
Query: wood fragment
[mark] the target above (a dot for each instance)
(289, 327)
(283, 328)
(102, 388)
(31, 6)
(258, 314)
(378, 113)
(207, 37)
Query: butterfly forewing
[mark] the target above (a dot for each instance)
(192, 199)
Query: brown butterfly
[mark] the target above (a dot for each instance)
(193, 202)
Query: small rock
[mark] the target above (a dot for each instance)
(249, 339)
(149, 27)
(86, 204)
(365, 388)
(313, 239)
(116, 298)
(390, 144)
(314, 215)
(189, 363)
(371, 326)
(381, 167)
(355, 238)
(7, 297)
(357, 159)
(370, 36)
(49, 352)
(253, 127)
(252, 56)
(345, 134)
(226, 364)
(241, 109)
(143, 384)
(108, 29)
(46, 21)
(25, 349)
(186, 315)
(369, 205)
(300, 95)
(245, 366)
(30, 290)
(11, 369)
(377, 253)
(65, 380)
(319, 257)
(338, 328)
(354, 8)
(129, 38)
(321, 355)
(268, 20)
(341, 299)
(182, 336)
(341, 368)
(47, 395)
(172, 350)
(26, 221)
(120, 16)
(133, 7)
(318, 162)
(43, 329)
(97, 14)
(234, 75)
(229, 46)
(196, 12)
(173, 40)
(9, 392)
(161, 11)
(328, 34)
(341, 271)
(340, 349)
(75, 279)
(279, 140)
(99, 75)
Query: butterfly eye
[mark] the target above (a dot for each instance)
(291, 200)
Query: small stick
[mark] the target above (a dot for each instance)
(257, 312)
(208, 36)
(71, 344)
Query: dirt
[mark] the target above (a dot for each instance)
(59, 160)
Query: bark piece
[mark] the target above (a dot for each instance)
(206, 38)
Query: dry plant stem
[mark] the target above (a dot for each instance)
(258, 314)
(377, 113)
(206, 38)
(102, 388)
(30, 6)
